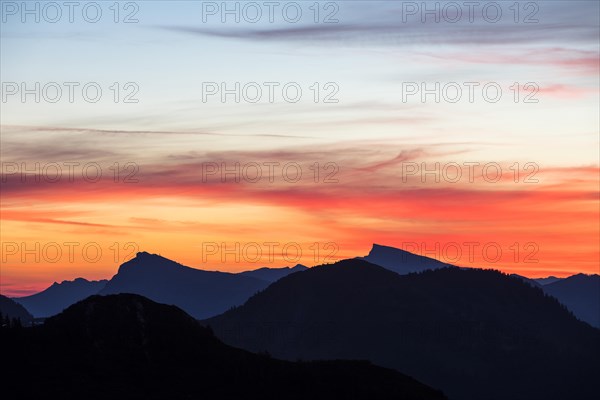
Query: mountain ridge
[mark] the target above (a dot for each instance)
(465, 331)
(13, 310)
(139, 349)
(198, 292)
(141, 269)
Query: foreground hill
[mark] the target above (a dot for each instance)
(59, 296)
(475, 334)
(200, 293)
(126, 346)
(13, 310)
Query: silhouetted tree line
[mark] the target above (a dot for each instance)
(6, 322)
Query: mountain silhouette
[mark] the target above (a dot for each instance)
(475, 334)
(204, 294)
(126, 346)
(401, 261)
(201, 294)
(59, 296)
(579, 293)
(13, 310)
(273, 274)
(149, 279)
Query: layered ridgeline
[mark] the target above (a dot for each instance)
(476, 334)
(200, 293)
(205, 294)
(60, 296)
(130, 347)
(579, 293)
(547, 280)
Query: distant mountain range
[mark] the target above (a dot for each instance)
(199, 293)
(476, 334)
(579, 293)
(60, 296)
(130, 347)
(204, 294)
(547, 280)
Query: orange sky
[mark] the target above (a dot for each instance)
(52, 231)
(159, 141)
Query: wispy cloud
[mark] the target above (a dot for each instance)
(386, 24)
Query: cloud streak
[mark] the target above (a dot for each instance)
(391, 24)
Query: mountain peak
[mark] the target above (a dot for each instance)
(74, 281)
(200, 293)
(401, 261)
(380, 247)
(149, 260)
(145, 254)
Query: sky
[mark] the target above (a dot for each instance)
(235, 135)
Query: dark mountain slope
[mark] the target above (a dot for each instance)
(476, 334)
(126, 346)
(579, 293)
(11, 309)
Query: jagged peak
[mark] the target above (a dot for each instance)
(380, 247)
